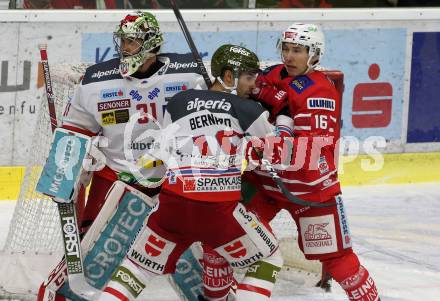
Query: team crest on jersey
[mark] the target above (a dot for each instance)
(115, 117)
(321, 103)
(300, 83)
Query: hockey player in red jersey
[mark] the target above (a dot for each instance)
(298, 88)
(199, 200)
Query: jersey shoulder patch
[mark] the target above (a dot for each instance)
(180, 63)
(104, 71)
(301, 83)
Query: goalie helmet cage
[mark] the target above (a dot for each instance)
(34, 244)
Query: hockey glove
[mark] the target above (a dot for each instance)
(273, 98)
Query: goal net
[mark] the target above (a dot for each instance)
(34, 244)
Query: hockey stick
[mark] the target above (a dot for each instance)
(271, 170)
(191, 44)
(290, 196)
(67, 211)
(48, 84)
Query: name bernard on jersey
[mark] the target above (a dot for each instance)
(199, 104)
(207, 120)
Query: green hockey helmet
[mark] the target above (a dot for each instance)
(141, 27)
(235, 58)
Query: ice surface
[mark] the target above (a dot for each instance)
(396, 233)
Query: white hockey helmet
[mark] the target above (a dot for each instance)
(141, 25)
(308, 35)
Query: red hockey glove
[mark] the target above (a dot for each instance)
(274, 98)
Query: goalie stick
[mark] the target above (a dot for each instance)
(270, 169)
(67, 211)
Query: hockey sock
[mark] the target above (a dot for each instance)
(352, 277)
(260, 279)
(217, 275)
(360, 286)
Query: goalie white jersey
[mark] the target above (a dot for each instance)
(121, 109)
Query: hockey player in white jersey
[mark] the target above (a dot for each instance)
(119, 99)
(199, 200)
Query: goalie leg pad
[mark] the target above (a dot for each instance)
(110, 236)
(113, 231)
(56, 279)
(187, 279)
(256, 244)
(126, 283)
(260, 279)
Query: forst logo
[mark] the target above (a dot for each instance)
(239, 50)
(135, 95)
(153, 93)
(112, 93)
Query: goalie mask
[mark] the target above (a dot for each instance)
(143, 30)
(308, 35)
(235, 58)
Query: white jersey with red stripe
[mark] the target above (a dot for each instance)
(314, 105)
(121, 109)
(207, 159)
